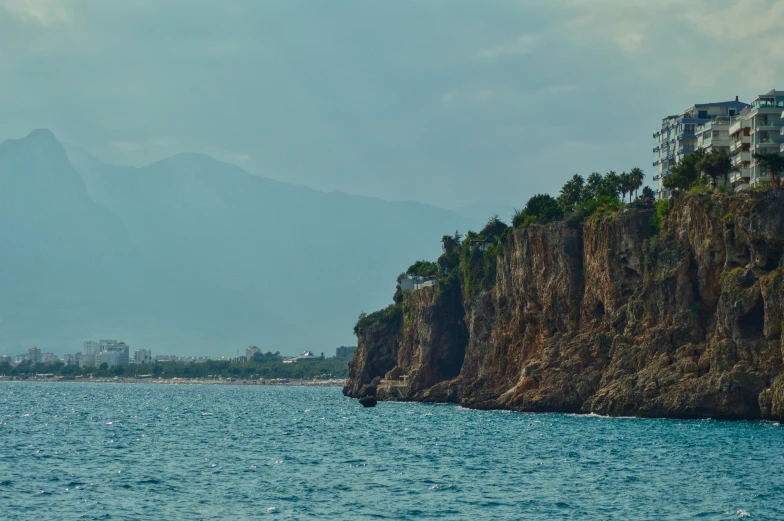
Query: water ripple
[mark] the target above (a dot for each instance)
(88, 451)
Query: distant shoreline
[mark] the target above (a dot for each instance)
(186, 381)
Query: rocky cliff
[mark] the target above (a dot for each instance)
(611, 316)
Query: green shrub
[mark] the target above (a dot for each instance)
(662, 209)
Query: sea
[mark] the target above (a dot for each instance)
(170, 452)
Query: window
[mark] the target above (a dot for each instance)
(703, 114)
(732, 112)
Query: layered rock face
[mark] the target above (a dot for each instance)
(610, 317)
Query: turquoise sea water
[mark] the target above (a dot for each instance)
(114, 451)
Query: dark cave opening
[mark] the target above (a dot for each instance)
(599, 309)
(774, 254)
(752, 323)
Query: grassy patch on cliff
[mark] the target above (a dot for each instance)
(391, 316)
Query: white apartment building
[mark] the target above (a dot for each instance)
(34, 355)
(49, 358)
(757, 129)
(142, 356)
(110, 352)
(90, 351)
(119, 352)
(250, 351)
(678, 135)
(110, 358)
(73, 359)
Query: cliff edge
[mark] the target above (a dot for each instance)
(611, 316)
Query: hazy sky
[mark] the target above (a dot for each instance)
(445, 102)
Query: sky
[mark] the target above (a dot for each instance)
(450, 103)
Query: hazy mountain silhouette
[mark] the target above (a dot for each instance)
(192, 255)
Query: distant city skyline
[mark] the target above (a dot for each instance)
(405, 101)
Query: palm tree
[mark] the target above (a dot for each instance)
(624, 182)
(592, 185)
(637, 177)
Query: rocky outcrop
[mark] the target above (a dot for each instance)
(610, 316)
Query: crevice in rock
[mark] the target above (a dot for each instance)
(773, 254)
(752, 324)
(599, 309)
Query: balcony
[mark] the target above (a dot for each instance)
(685, 135)
(685, 151)
(737, 127)
(740, 143)
(655, 149)
(741, 157)
(767, 125)
(740, 176)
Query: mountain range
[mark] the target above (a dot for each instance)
(190, 255)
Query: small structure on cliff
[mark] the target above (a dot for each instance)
(395, 383)
(482, 244)
(410, 283)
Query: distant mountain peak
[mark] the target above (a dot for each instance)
(42, 133)
(41, 136)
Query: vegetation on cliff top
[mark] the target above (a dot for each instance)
(701, 170)
(470, 261)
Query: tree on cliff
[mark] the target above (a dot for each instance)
(686, 172)
(422, 268)
(572, 192)
(592, 185)
(773, 164)
(637, 178)
(494, 227)
(450, 242)
(625, 185)
(716, 164)
(610, 185)
(539, 208)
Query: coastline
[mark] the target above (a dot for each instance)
(186, 381)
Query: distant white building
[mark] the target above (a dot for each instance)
(90, 350)
(49, 358)
(73, 359)
(110, 352)
(142, 356)
(110, 358)
(250, 351)
(34, 355)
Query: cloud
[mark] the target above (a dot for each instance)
(696, 42)
(37, 12)
(524, 44)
